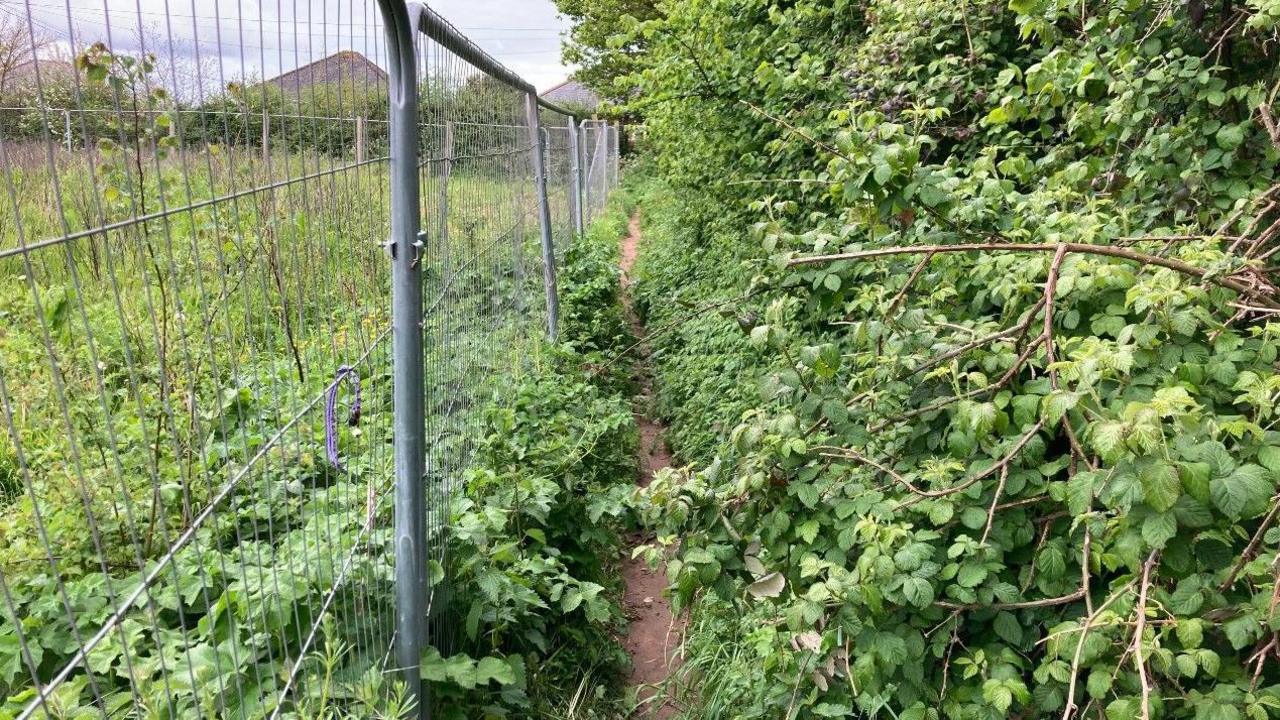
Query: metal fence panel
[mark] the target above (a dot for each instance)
(195, 379)
(204, 277)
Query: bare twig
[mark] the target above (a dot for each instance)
(902, 294)
(1071, 247)
(1021, 605)
(1000, 465)
(1269, 122)
(950, 354)
(1071, 707)
(1252, 547)
(1050, 289)
(1138, 660)
(938, 405)
(995, 501)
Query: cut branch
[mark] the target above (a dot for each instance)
(1138, 661)
(1021, 605)
(1084, 633)
(1252, 548)
(938, 405)
(1000, 465)
(1070, 247)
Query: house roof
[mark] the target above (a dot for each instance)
(572, 92)
(344, 66)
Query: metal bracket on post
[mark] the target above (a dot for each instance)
(544, 216)
(409, 426)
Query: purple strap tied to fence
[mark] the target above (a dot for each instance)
(349, 374)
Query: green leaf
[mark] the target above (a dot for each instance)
(808, 495)
(1008, 628)
(1269, 456)
(1229, 137)
(1195, 479)
(1190, 632)
(998, 694)
(1079, 492)
(971, 575)
(1057, 403)
(1159, 528)
(571, 600)
(1242, 631)
(917, 591)
(1108, 438)
(1099, 683)
(494, 669)
(1160, 485)
(1244, 493)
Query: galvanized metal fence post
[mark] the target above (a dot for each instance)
(538, 148)
(409, 427)
(584, 171)
(608, 156)
(446, 172)
(616, 154)
(602, 153)
(575, 178)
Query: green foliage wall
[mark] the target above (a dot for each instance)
(969, 484)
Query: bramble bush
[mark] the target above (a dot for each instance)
(1031, 476)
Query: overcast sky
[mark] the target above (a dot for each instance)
(261, 38)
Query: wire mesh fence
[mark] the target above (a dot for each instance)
(202, 382)
(599, 143)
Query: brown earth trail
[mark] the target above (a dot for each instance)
(653, 634)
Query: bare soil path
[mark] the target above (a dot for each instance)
(653, 634)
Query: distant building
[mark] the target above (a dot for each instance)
(572, 93)
(343, 67)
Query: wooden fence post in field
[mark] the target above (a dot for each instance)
(266, 134)
(360, 139)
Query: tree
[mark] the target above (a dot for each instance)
(591, 44)
(19, 46)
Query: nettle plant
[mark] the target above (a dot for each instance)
(1016, 451)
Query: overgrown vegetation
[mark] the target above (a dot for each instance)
(536, 530)
(1031, 477)
(197, 448)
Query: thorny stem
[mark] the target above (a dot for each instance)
(1004, 380)
(1252, 547)
(1084, 632)
(1138, 661)
(1071, 247)
(1000, 465)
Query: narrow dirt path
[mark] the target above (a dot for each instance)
(653, 633)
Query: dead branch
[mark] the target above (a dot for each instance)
(1008, 332)
(938, 405)
(1252, 548)
(1084, 632)
(902, 294)
(1138, 661)
(1231, 283)
(1020, 605)
(1000, 465)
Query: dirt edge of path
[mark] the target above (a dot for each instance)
(653, 632)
